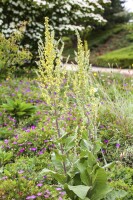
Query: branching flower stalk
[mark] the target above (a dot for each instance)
(83, 87)
(50, 75)
(61, 88)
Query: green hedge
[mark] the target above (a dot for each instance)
(122, 58)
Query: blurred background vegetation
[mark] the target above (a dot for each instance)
(107, 28)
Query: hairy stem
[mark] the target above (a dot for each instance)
(59, 135)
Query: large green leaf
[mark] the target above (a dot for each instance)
(96, 146)
(100, 185)
(61, 178)
(57, 160)
(69, 143)
(85, 178)
(79, 190)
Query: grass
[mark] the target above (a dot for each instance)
(122, 58)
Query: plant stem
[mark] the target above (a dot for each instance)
(59, 135)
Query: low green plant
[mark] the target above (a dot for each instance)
(18, 109)
(122, 178)
(5, 157)
(5, 133)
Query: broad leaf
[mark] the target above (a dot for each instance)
(100, 185)
(59, 177)
(79, 190)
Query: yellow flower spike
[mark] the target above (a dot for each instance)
(49, 65)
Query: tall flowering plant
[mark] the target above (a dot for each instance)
(73, 104)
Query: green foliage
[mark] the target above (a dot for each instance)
(84, 178)
(34, 11)
(5, 157)
(18, 109)
(11, 54)
(64, 140)
(122, 178)
(75, 158)
(122, 58)
(97, 38)
(5, 133)
(21, 188)
(106, 41)
(116, 13)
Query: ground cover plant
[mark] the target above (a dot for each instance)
(74, 142)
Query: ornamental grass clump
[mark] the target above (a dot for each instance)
(73, 102)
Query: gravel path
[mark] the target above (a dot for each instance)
(128, 72)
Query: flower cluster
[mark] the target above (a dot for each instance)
(82, 13)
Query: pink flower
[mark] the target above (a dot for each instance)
(22, 150)
(31, 197)
(117, 145)
(39, 194)
(33, 149)
(6, 141)
(39, 184)
(58, 189)
(46, 196)
(60, 198)
(33, 127)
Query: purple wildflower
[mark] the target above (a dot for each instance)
(33, 149)
(60, 198)
(33, 127)
(28, 130)
(68, 118)
(21, 144)
(39, 184)
(14, 142)
(22, 150)
(58, 189)
(117, 145)
(6, 141)
(39, 194)
(103, 150)
(62, 193)
(29, 143)
(40, 152)
(45, 141)
(46, 196)
(31, 197)
(106, 141)
(4, 177)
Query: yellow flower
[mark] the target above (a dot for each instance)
(8, 78)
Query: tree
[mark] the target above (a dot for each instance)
(65, 16)
(116, 12)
